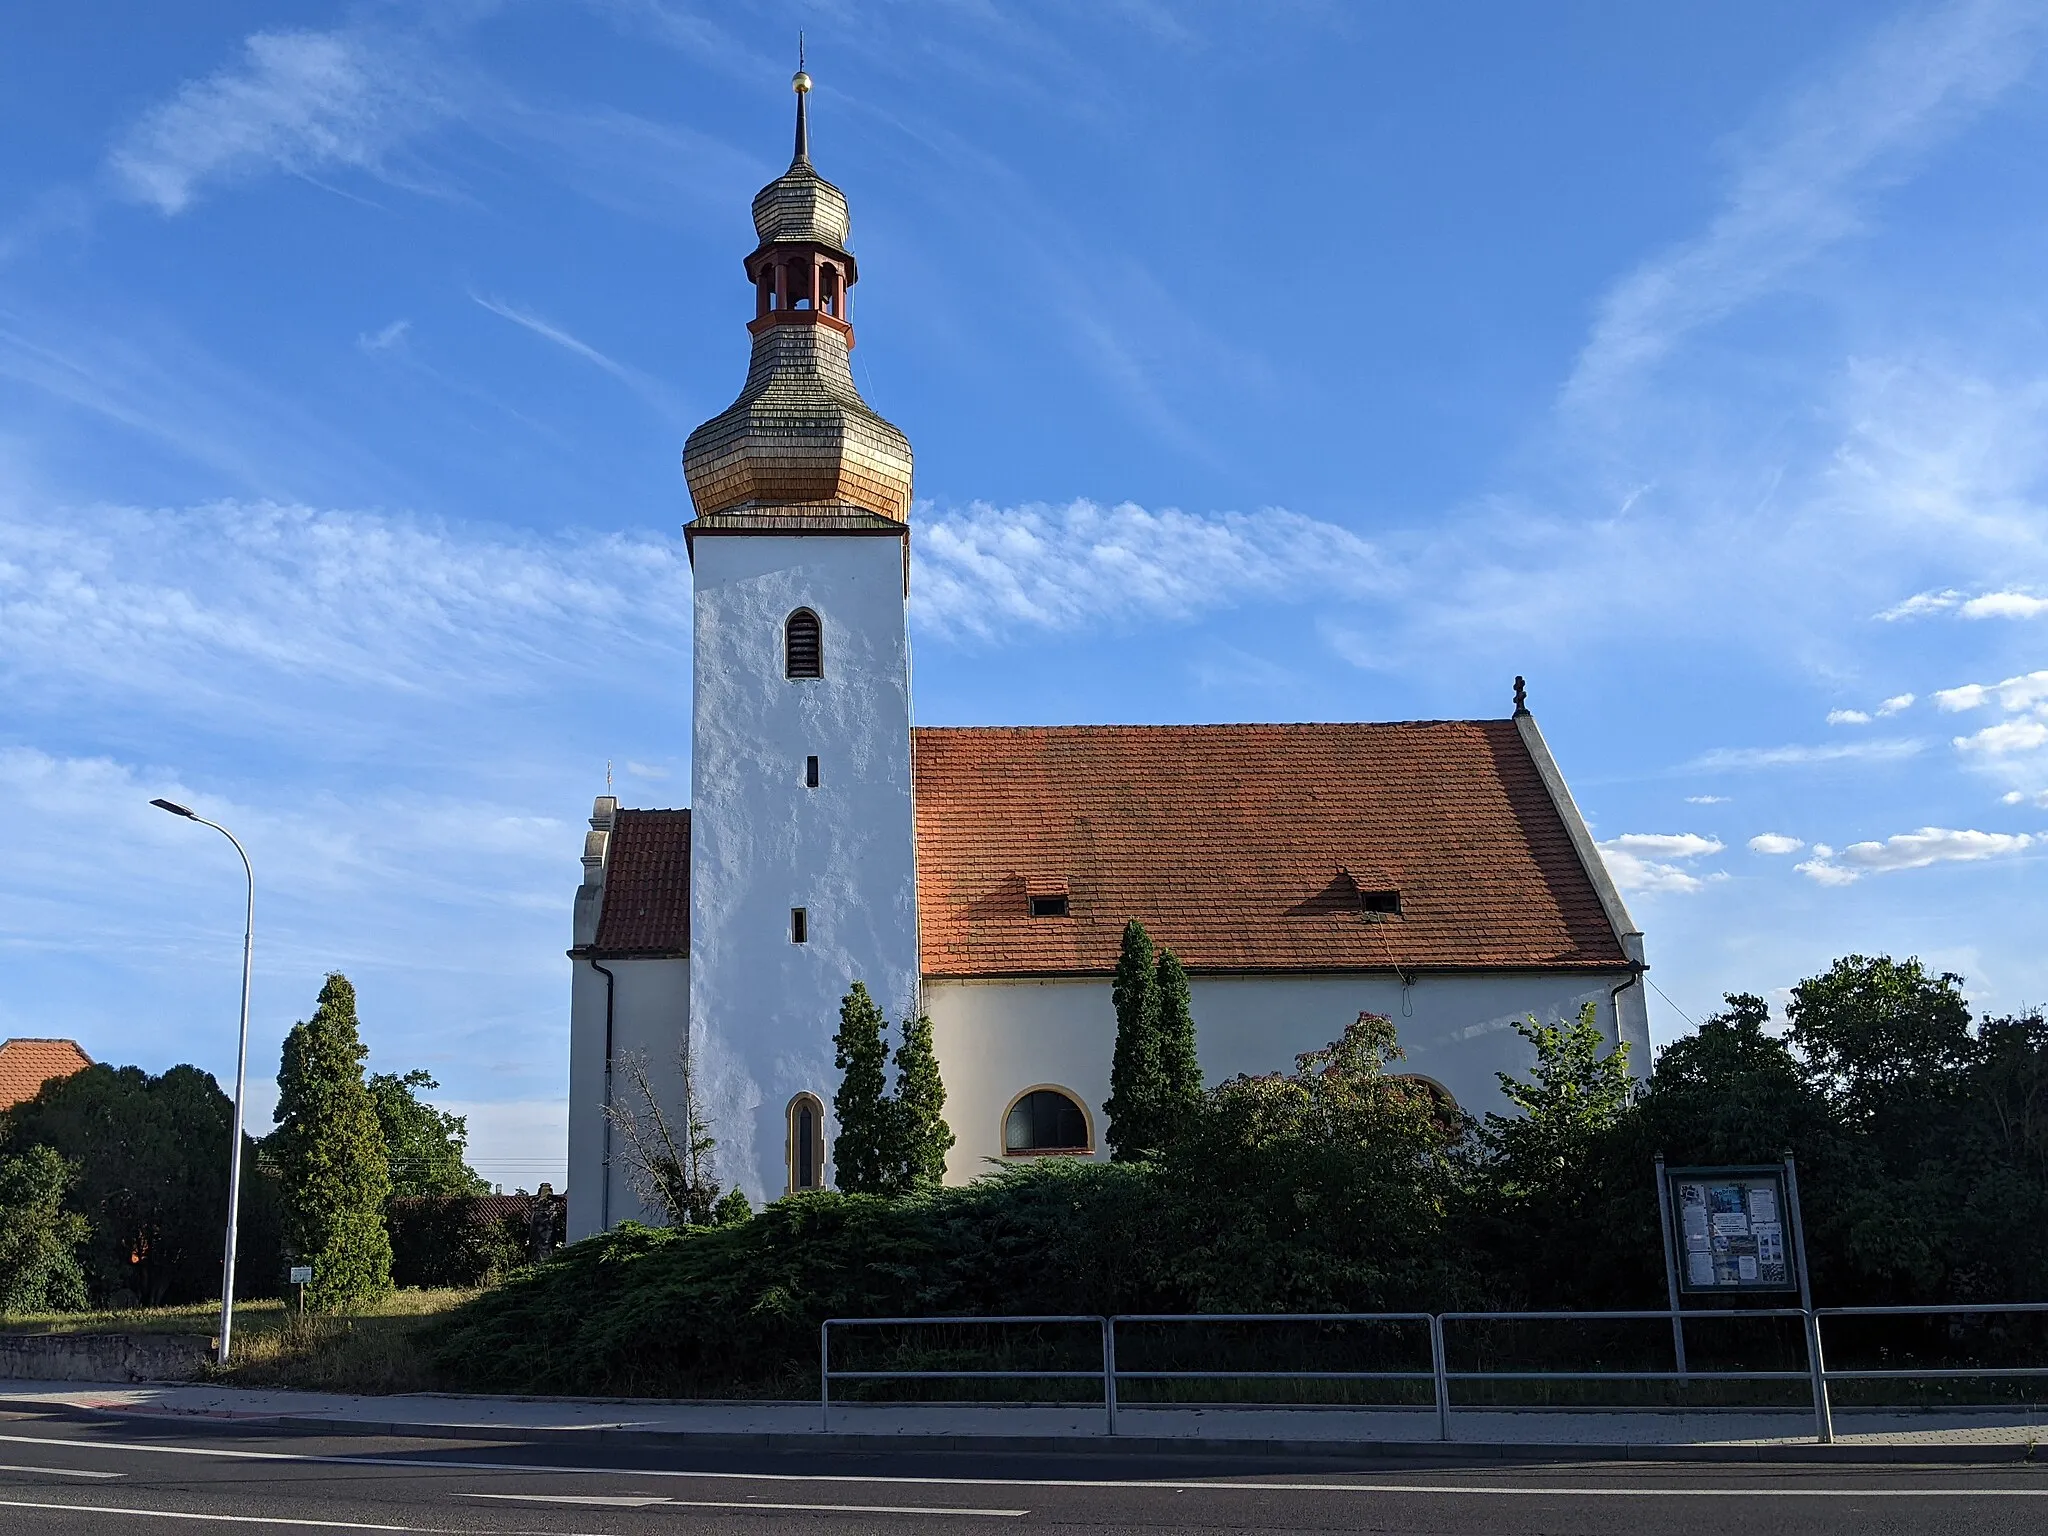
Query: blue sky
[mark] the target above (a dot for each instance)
(1285, 362)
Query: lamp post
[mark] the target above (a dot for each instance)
(227, 1277)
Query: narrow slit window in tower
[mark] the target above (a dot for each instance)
(810, 772)
(799, 926)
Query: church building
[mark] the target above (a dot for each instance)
(1433, 871)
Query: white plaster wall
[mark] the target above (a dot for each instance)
(650, 1012)
(764, 1009)
(995, 1039)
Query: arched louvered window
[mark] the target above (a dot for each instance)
(802, 646)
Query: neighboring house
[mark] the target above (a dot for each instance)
(1434, 871)
(25, 1065)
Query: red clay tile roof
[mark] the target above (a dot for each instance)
(646, 885)
(25, 1065)
(1246, 848)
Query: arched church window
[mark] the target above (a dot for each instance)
(1045, 1121)
(806, 1143)
(803, 652)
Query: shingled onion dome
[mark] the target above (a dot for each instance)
(799, 447)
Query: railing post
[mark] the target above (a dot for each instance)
(1670, 1268)
(1443, 1381)
(825, 1377)
(1816, 1362)
(1109, 1372)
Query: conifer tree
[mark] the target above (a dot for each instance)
(1134, 1068)
(330, 1155)
(922, 1137)
(860, 1155)
(1180, 1069)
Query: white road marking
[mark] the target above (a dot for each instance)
(185, 1514)
(601, 1500)
(1179, 1485)
(644, 1501)
(58, 1471)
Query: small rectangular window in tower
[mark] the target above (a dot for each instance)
(799, 925)
(1048, 906)
(810, 773)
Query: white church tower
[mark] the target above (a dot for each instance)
(802, 858)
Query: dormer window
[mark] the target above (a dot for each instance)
(1046, 895)
(802, 645)
(1379, 901)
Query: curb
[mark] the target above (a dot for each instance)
(812, 1444)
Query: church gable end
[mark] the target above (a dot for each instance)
(646, 886)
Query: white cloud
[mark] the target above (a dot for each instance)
(1912, 850)
(1921, 603)
(1775, 843)
(387, 338)
(1072, 567)
(1706, 799)
(297, 101)
(1638, 861)
(2038, 798)
(1881, 751)
(1798, 188)
(646, 770)
(240, 606)
(1847, 717)
(2005, 605)
(2028, 691)
(2006, 738)
(1895, 703)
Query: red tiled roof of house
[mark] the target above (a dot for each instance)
(646, 885)
(1248, 848)
(1243, 847)
(25, 1065)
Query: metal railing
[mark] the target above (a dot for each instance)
(1814, 1372)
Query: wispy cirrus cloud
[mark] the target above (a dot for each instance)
(1911, 850)
(1889, 750)
(1800, 185)
(254, 601)
(643, 384)
(989, 568)
(301, 102)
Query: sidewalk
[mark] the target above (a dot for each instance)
(1860, 1434)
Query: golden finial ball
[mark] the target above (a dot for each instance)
(800, 82)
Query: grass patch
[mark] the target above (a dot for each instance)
(379, 1349)
(200, 1317)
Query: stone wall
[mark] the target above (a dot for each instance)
(103, 1356)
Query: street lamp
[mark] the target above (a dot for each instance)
(227, 1279)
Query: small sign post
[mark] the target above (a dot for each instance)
(302, 1275)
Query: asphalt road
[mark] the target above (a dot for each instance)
(60, 1475)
